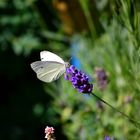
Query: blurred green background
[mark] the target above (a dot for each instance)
(97, 34)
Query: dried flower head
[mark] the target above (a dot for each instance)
(79, 80)
(49, 131)
(128, 99)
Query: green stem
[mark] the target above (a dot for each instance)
(137, 124)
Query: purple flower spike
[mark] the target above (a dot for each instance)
(107, 138)
(102, 78)
(79, 80)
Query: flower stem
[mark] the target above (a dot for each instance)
(137, 124)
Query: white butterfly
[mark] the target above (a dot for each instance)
(50, 68)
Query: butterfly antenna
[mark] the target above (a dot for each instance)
(70, 59)
(68, 62)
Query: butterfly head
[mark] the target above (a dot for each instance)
(67, 64)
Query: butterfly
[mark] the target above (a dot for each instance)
(50, 68)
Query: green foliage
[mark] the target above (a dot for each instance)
(27, 105)
(117, 52)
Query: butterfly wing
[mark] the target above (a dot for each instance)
(48, 71)
(48, 56)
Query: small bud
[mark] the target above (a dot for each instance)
(49, 131)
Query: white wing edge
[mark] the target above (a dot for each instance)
(49, 56)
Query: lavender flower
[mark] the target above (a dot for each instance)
(107, 138)
(102, 78)
(79, 80)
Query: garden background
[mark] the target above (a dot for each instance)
(99, 35)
